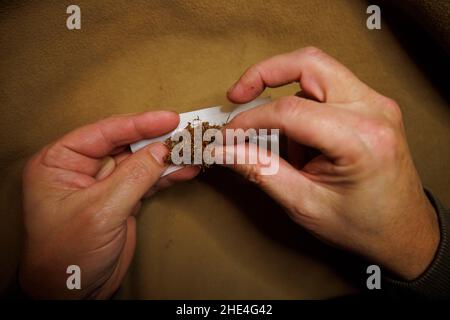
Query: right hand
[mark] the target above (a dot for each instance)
(362, 192)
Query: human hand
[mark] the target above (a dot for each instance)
(80, 197)
(361, 192)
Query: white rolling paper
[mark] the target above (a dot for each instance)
(214, 115)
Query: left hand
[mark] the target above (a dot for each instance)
(80, 197)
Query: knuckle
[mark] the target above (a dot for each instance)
(286, 106)
(138, 171)
(383, 139)
(251, 74)
(312, 51)
(393, 110)
(314, 56)
(256, 68)
(386, 135)
(51, 154)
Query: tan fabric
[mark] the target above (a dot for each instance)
(214, 237)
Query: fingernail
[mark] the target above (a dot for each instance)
(158, 151)
(107, 168)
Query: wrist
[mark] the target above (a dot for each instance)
(417, 251)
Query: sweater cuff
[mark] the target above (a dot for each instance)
(434, 283)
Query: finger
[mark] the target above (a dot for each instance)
(187, 173)
(316, 125)
(286, 185)
(319, 75)
(133, 177)
(108, 164)
(99, 139)
(80, 150)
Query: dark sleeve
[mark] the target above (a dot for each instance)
(434, 283)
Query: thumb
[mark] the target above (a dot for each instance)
(135, 175)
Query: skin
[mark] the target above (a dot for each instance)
(81, 195)
(360, 191)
